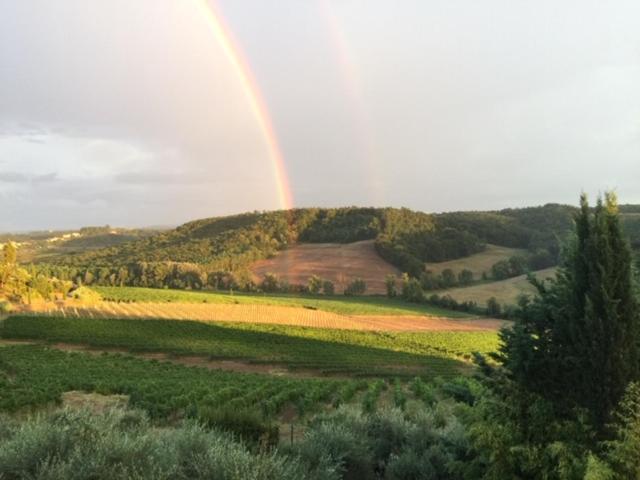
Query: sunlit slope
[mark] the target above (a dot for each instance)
(505, 291)
(339, 263)
(478, 263)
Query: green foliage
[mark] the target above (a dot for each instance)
(216, 252)
(577, 341)
(362, 305)
(357, 286)
(389, 444)
(390, 285)
(338, 351)
(412, 290)
(248, 424)
(39, 376)
(328, 288)
(494, 309)
(123, 445)
(270, 283)
(465, 277)
(314, 285)
(513, 267)
(621, 454)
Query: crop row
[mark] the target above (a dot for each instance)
(32, 376)
(365, 305)
(427, 354)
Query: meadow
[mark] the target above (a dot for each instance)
(325, 351)
(360, 305)
(478, 263)
(505, 291)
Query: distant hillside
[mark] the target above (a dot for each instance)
(336, 262)
(39, 246)
(218, 252)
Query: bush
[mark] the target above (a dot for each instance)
(493, 307)
(248, 425)
(411, 290)
(356, 287)
(328, 288)
(119, 445)
(390, 284)
(314, 285)
(270, 283)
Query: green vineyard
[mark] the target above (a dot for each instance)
(426, 354)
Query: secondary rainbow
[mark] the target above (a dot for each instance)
(253, 95)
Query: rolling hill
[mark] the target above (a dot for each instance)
(235, 251)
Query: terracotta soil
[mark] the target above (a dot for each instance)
(339, 263)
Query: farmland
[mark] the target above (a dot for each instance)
(267, 314)
(32, 376)
(339, 263)
(505, 291)
(478, 263)
(325, 351)
(361, 305)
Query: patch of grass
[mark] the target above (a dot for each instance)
(505, 291)
(429, 354)
(479, 262)
(364, 305)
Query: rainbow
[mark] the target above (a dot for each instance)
(253, 95)
(359, 110)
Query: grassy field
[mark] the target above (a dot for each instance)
(505, 291)
(32, 376)
(345, 352)
(364, 305)
(478, 263)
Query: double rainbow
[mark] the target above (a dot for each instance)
(253, 96)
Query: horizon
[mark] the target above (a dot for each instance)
(233, 214)
(156, 113)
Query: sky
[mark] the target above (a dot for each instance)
(134, 114)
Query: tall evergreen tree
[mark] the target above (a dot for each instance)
(576, 343)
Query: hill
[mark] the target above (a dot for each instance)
(219, 252)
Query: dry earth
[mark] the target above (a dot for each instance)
(339, 263)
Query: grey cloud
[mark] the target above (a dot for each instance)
(433, 105)
(18, 178)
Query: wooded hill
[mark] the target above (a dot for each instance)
(206, 252)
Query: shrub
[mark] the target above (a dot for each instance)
(314, 285)
(270, 283)
(356, 287)
(493, 307)
(121, 445)
(411, 290)
(390, 284)
(328, 288)
(247, 424)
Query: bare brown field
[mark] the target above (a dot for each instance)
(270, 314)
(339, 263)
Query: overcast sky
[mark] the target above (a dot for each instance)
(129, 113)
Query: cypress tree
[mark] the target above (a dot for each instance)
(576, 342)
